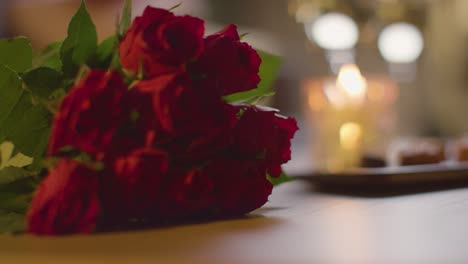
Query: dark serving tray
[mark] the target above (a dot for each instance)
(440, 173)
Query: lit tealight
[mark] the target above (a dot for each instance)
(350, 135)
(352, 82)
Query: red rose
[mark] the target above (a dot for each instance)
(187, 194)
(161, 42)
(141, 128)
(211, 138)
(66, 202)
(227, 64)
(169, 94)
(265, 134)
(240, 185)
(131, 186)
(195, 123)
(90, 113)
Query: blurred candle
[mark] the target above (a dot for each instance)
(350, 135)
(348, 115)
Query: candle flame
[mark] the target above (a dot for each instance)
(352, 82)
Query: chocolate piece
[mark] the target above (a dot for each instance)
(416, 152)
(458, 149)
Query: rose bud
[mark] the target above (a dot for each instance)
(227, 65)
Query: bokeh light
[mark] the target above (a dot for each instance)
(333, 31)
(401, 43)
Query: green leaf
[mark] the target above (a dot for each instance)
(13, 101)
(42, 81)
(49, 57)
(17, 186)
(105, 53)
(126, 18)
(22, 186)
(11, 158)
(58, 95)
(11, 222)
(25, 125)
(12, 174)
(243, 35)
(16, 53)
(175, 7)
(279, 180)
(269, 70)
(81, 42)
(31, 133)
(23, 104)
(40, 149)
(115, 62)
(15, 202)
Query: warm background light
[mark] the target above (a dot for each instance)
(333, 31)
(400, 43)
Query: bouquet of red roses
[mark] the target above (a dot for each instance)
(152, 125)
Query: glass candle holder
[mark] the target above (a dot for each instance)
(348, 116)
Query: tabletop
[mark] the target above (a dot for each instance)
(300, 224)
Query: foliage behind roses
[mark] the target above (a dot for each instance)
(153, 125)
